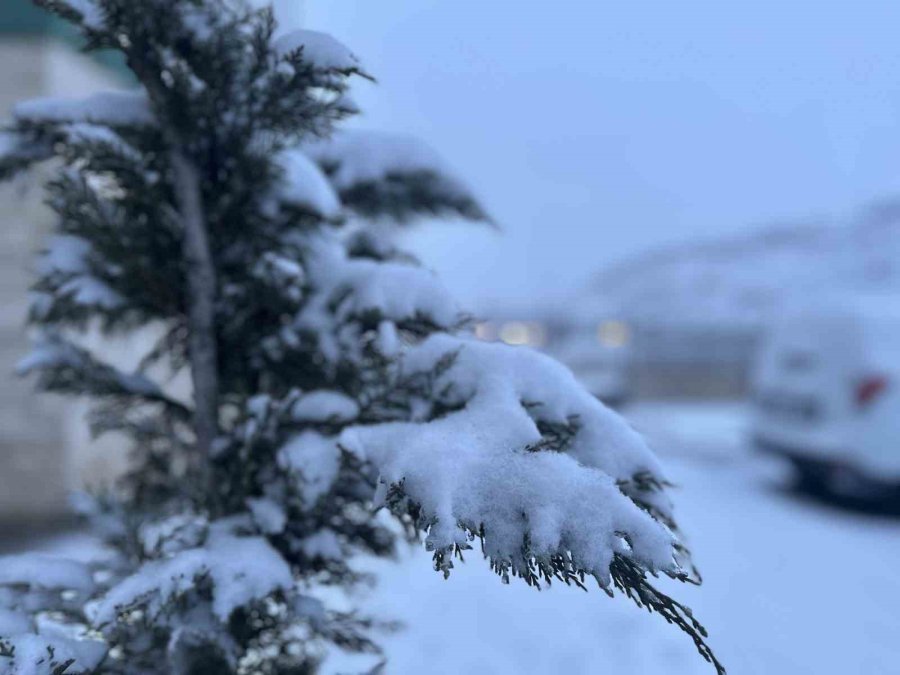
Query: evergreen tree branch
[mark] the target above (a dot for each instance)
(201, 276)
(199, 269)
(65, 368)
(631, 580)
(403, 197)
(19, 152)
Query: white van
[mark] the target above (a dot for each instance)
(827, 393)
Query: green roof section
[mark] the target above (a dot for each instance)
(23, 18)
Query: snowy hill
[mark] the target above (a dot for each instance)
(739, 281)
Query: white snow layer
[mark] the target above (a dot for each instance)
(84, 132)
(314, 459)
(13, 623)
(9, 143)
(172, 534)
(398, 291)
(323, 544)
(91, 16)
(359, 156)
(47, 572)
(304, 185)
(68, 256)
(472, 467)
(319, 49)
(268, 515)
(241, 569)
(31, 655)
(115, 108)
(388, 342)
(323, 405)
(13, 145)
(30, 639)
(91, 292)
(50, 351)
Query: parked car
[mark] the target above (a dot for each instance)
(827, 394)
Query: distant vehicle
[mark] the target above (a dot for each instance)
(827, 395)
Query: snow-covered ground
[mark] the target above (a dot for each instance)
(791, 586)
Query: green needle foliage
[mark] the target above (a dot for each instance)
(222, 209)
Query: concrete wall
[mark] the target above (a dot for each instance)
(692, 362)
(37, 468)
(689, 381)
(45, 448)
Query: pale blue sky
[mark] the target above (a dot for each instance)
(594, 129)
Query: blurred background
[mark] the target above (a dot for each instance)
(699, 211)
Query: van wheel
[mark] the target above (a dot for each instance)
(812, 477)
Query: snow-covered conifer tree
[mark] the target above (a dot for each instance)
(338, 404)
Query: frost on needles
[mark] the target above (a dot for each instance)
(339, 405)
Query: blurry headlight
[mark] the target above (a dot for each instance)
(523, 333)
(613, 334)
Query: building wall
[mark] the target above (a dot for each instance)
(681, 362)
(36, 465)
(45, 448)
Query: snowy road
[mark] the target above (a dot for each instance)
(792, 586)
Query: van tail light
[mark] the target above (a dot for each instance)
(869, 388)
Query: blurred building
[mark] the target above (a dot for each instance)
(585, 334)
(697, 312)
(686, 321)
(37, 58)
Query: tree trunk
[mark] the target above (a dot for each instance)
(201, 276)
